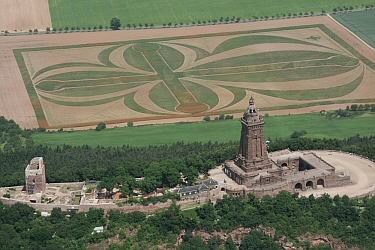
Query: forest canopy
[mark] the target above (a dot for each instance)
(351, 221)
(160, 165)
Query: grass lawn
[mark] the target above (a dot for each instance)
(276, 126)
(82, 13)
(361, 23)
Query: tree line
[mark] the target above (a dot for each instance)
(115, 23)
(161, 166)
(350, 220)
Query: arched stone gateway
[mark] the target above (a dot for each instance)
(298, 186)
(320, 183)
(284, 164)
(309, 184)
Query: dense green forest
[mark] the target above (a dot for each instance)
(12, 136)
(160, 165)
(351, 220)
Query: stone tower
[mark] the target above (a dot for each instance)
(35, 175)
(253, 152)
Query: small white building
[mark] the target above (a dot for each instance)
(98, 230)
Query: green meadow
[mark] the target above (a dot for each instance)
(82, 13)
(314, 124)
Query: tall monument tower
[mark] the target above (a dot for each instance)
(253, 152)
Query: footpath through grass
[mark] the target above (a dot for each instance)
(362, 23)
(276, 126)
(83, 13)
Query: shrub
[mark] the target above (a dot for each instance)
(354, 107)
(130, 124)
(221, 117)
(207, 118)
(41, 130)
(100, 126)
(298, 134)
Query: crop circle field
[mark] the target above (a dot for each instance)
(196, 75)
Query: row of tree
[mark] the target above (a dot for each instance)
(118, 26)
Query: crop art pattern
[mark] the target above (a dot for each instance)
(188, 76)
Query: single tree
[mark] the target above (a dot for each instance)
(115, 23)
(100, 126)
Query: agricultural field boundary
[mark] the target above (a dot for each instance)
(77, 13)
(43, 121)
(13, 84)
(351, 32)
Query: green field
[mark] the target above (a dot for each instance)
(84, 13)
(315, 124)
(361, 23)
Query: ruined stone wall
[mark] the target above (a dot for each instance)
(337, 181)
(107, 206)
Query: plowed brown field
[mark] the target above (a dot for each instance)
(21, 15)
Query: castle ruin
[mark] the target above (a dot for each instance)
(35, 175)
